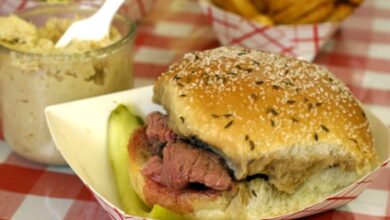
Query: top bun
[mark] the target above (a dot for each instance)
(267, 114)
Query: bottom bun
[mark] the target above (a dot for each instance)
(254, 199)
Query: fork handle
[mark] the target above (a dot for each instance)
(108, 10)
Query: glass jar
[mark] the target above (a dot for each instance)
(29, 82)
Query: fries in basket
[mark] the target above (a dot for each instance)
(274, 12)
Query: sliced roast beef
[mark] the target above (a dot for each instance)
(154, 168)
(183, 164)
(158, 132)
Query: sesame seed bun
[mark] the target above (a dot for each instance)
(266, 114)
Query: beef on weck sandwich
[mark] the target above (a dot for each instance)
(248, 135)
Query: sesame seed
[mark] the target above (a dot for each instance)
(310, 106)
(288, 83)
(176, 77)
(290, 102)
(251, 144)
(294, 119)
(254, 193)
(229, 124)
(354, 140)
(324, 128)
(253, 96)
(273, 111)
(259, 82)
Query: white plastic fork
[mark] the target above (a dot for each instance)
(93, 28)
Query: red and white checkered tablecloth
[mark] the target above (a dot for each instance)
(359, 54)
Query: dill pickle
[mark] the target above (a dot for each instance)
(121, 124)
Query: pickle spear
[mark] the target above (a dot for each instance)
(121, 124)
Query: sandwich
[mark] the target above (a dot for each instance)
(248, 134)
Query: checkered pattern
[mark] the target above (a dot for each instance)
(359, 54)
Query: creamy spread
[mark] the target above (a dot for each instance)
(21, 35)
(34, 74)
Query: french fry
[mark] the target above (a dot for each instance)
(317, 15)
(225, 5)
(247, 9)
(271, 12)
(341, 11)
(356, 2)
(261, 5)
(244, 7)
(263, 19)
(278, 5)
(297, 10)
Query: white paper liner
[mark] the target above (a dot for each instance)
(79, 131)
(302, 41)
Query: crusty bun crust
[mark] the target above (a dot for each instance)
(267, 113)
(255, 199)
